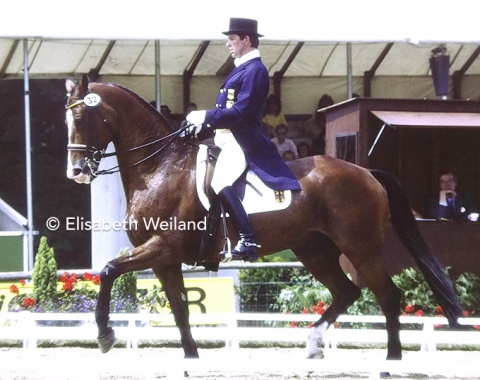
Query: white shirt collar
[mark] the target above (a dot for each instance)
(255, 53)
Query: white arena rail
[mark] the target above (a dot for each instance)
(31, 327)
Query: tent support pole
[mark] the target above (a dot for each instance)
(157, 75)
(349, 70)
(28, 261)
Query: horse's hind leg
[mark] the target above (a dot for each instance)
(171, 278)
(388, 296)
(321, 258)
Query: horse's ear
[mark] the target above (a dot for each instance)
(84, 84)
(69, 85)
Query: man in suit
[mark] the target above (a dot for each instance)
(451, 204)
(237, 121)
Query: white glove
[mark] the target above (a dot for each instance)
(197, 118)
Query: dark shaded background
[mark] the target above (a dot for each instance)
(53, 193)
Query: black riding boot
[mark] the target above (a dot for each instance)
(246, 248)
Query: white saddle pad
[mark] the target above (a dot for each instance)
(258, 197)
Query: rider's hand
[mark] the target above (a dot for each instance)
(197, 118)
(191, 129)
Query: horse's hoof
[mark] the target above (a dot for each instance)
(106, 342)
(316, 355)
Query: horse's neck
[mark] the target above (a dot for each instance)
(174, 163)
(139, 125)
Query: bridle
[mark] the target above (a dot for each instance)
(93, 155)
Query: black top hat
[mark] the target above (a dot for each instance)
(243, 25)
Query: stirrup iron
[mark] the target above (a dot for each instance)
(228, 249)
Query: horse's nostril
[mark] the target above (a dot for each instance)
(77, 172)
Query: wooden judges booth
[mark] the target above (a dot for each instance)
(414, 139)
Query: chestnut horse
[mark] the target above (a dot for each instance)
(342, 208)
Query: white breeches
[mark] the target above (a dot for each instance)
(231, 161)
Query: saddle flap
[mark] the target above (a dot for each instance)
(212, 152)
(256, 196)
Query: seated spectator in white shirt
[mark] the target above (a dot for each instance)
(281, 142)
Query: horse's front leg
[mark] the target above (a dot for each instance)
(171, 278)
(106, 336)
(139, 258)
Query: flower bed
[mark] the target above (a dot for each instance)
(308, 296)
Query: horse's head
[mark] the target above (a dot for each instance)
(88, 130)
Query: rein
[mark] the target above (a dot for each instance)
(98, 154)
(167, 140)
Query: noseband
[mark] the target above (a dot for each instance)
(94, 156)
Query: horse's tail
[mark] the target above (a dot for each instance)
(405, 226)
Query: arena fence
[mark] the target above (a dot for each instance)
(235, 329)
(30, 328)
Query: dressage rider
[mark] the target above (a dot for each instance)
(237, 119)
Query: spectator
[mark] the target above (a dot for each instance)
(450, 203)
(315, 126)
(303, 149)
(288, 155)
(281, 142)
(273, 114)
(190, 107)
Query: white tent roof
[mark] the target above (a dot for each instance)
(136, 57)
(70, 38)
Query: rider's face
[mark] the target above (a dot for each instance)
(236, 46)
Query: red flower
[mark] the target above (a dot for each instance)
(28, 302)
(87, 276)
(68, 286)
(293, 324)
(63, 277)
(22, 281)
(321, 310)
(477, 327)
(466, 313)
(14, 289)
(96, 279)
(72, 280)
(305, 311)
(409, 308)
(439, 309)
(419, 313)
(310, 325)
(320, 304)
